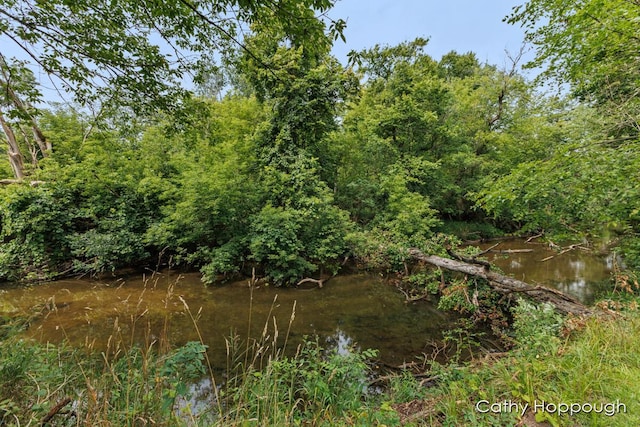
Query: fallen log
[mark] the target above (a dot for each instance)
(507, 285)
(511, 251)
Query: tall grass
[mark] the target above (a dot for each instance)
(595, 362)
(264, 383)
(132, 384)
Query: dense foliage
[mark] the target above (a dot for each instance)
(285, 165)
(301, 162)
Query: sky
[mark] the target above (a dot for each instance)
(460, 25)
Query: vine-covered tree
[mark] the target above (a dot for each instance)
(133, 54)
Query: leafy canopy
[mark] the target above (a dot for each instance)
(136, 53)
(591, 45)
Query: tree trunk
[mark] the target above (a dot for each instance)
(13, 150)
(506, 285)
(26, 111)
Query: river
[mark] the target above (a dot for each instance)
(578, 272)
(362, 310)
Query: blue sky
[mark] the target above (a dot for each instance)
(461, 25)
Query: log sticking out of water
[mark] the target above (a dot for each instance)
(506, 285)
(318, 282)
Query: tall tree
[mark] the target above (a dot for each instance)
(298, 230)
(589, 48)
(591, 45)
(134, 54)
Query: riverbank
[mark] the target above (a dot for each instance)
(139, 372)
(561, 372)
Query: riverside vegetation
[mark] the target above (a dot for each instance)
(592, 362)
(285, 164)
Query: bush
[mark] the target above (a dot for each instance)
(290, 243)
(536, 328)
(36, 223)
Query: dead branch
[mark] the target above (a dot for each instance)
(533, 237)
(319, 282)
(511, 251)
(55, 410)
(505, 284)
(408, 298)
(486, 251)
(468, 260)
(564, 251)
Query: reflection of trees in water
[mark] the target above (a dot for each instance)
(577, 288)
(577, 273)
(578, 266)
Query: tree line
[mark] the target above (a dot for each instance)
(285, 161)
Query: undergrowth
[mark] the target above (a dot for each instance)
(554, 361)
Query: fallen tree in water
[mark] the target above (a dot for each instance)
(505, 284)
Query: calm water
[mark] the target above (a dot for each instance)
(350, 310)
(578, 272)
(361, 310)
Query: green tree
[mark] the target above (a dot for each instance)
(129, 55)
(205, 177)
(423, 136)
(90, 212)
(18, 118)
(133, 52)
(591, 45)
(577, 167)
(299, 229)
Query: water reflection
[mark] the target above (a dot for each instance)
(341, 343)
(577, 272)
(166, 310)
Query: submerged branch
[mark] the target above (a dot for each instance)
(318, 282)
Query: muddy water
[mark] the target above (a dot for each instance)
(350, 310)
(361, 310)
(578, 272)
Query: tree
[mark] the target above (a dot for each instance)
(134, 54)
(591, 45)
(422, 136)
(592, 153)
(380, 61)
(298, 229)
(20, 126)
